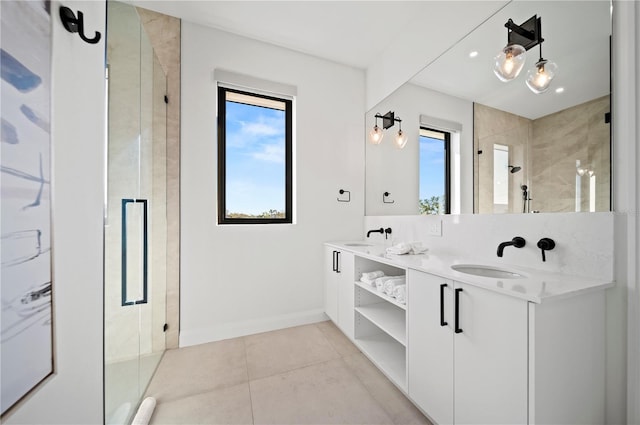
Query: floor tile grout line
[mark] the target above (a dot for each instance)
(365, 386)
(246, 368)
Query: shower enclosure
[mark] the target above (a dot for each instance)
(135, 214)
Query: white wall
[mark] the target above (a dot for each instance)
(238, 280)
(74, 393)
(624, 309)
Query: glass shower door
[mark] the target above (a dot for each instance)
(135, 214)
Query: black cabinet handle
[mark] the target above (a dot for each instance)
(457, 324)
(145, 252)
(333, 267)
(442, 322)
(337, 261)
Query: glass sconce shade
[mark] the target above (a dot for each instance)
(400, 140)
(539, 77)
(375, 135)
(509, 62)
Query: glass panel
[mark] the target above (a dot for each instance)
(136, 173)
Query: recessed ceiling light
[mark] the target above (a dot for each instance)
(473, 54)
(559, 89)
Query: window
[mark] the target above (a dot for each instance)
(434, 172)
(254, 158)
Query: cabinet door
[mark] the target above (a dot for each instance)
(330, 284)
(490, 358)
(430, 344)
(346, 278)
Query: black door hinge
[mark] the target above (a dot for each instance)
(165, 327)
(166, 99)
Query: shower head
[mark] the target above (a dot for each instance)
(514, 168)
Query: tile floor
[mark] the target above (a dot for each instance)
(308, 374)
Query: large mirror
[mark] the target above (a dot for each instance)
(508, 150)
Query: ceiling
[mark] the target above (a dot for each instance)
(373, 35)
(352, 32)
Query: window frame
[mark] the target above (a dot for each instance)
(222, 166)
(447, 165)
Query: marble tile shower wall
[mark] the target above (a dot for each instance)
(585, 137)
(165, 35)
(547, 146)
(584, 241)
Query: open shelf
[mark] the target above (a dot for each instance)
(382, 295)
(388, 355)
(388, 318)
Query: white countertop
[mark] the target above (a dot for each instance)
(535, 285)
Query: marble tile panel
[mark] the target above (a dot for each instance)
(392, 400)
(230, 405)
(283, 350)
(192, 370)
(325, 393)
(337, 339)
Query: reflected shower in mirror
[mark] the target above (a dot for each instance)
(518, 151)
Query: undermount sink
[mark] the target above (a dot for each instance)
(487, 271)
(357, 244)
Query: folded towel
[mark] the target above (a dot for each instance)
(400, 293)
(390, 284)
(372, 275)
(407, 248)
(418, 248)
(379, 282)
(398, 249)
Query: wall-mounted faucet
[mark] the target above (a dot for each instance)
(546, 244)
(518, 242)
(380, 230)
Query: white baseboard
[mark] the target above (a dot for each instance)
(249, 327)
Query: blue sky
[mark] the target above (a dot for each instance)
(431, 167)
(255, 159)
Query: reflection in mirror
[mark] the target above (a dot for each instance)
(409, 174)
(434, 171)
(560, 139)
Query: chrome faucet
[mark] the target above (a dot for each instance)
(518, 242)
(380, 230)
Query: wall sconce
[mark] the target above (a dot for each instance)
(509, 62)
(388, 120)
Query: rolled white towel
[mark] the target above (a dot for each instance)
(400, 293)
(379, 282)
(369, 276)
(390, 284)
(371, 282)
(399, 249)
(145, 411)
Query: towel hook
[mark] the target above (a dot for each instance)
(73, 24)
(384, 198)
(342, 192)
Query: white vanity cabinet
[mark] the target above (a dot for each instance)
(510, 361)
(338, 288)
(476, 350)
(467, 352)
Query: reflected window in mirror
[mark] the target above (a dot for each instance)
(435, 172)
